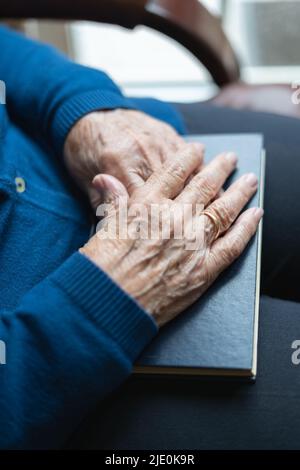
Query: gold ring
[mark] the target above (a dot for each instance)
(215, 221)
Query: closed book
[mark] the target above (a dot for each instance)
(217, 335)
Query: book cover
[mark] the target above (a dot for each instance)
(217, 336)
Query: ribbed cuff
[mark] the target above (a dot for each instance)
(110, 307)
(80, 105)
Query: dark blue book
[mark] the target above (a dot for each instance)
(217, 336)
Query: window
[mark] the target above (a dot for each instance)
(143, 61)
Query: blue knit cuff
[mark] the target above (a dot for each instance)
(80, 105)
(110, 307)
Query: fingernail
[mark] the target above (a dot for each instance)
(251, 179)
(259, 212)
(231, 157)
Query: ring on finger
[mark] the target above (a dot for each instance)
(215, 221)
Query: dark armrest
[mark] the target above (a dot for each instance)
(186, 21)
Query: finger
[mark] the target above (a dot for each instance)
(219, 194)
(173, 141)
(134, 181)
(207, 183)
(226, 209)
(228, 248)
(109, 188)
(165, 150)
(170, 179)
(168, 135)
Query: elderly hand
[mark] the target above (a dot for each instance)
(162, 274)
(126, 144)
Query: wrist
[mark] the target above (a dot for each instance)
(83, 149)
(80, 105)
(111, 256)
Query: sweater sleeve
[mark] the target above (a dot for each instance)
(48, 94)
(72, 339)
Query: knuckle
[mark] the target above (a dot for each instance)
(226, 254)
(244, 192)
(230, 251)
(167, 187)
(246, 230)
(213, 268)
(235, 248)
(160, 184)
(194, 188)
(207, 187)
(156, 179)
(190, 155)
(177, 173)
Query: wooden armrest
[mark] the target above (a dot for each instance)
(186, 21)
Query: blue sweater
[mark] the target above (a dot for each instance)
(70, 334)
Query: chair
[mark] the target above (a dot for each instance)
(189, 23)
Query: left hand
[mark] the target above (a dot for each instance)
(128, 145)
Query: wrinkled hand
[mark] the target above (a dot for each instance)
(162, 274)
(126, 144)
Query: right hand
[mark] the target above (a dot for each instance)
(162, 275)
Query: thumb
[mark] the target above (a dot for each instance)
(106, 189)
